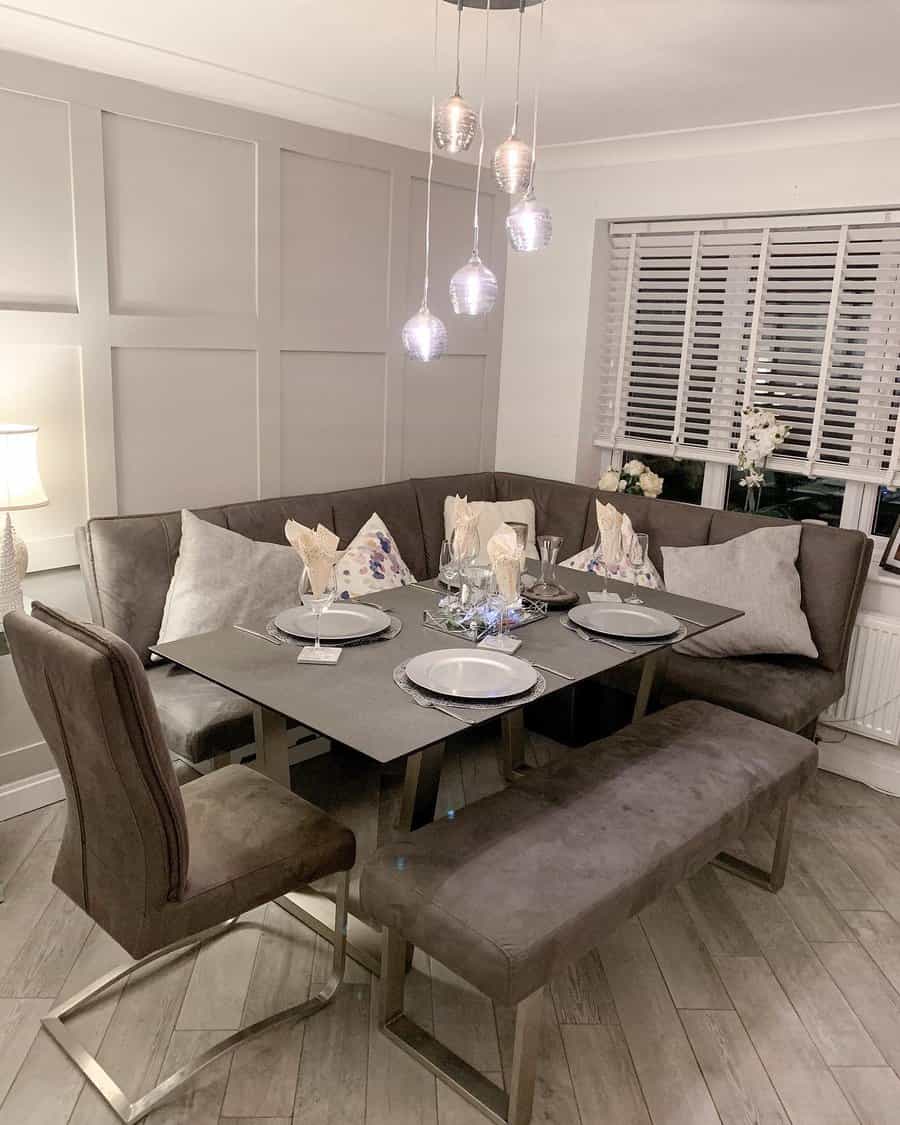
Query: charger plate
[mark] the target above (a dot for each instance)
(342, 621)
(471, 674)
(613, 619)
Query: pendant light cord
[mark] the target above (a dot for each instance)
(484, 73)
(459, 11)
(537, 97)
(434, 58)
(515, 124)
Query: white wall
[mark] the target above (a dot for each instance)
(200, 304)
(546, 397)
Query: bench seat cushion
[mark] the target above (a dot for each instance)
(199, 719)
(513, 888)
(789, 692)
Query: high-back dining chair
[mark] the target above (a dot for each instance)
(158, 868)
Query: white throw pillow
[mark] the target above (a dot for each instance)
(757, 573)
(491, 513)
(222, 578)
(371, 562)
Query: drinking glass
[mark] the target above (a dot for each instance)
(594, 552)
(507, 579)
(464, 550)
(319, 603)
(637, 559)
(548, 548)
(445, 573)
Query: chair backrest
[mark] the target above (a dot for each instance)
(124, 852)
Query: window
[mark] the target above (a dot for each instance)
(796, 314)
(684, 479)
(791, 496)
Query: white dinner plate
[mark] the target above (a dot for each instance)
(342, 621)
(471, 673)
(617, 620)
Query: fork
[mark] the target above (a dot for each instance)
(567, 624)
(422, 702)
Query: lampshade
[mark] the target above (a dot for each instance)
(20, 478)
(455, 124)
(424, 336)
(473, 289)
(512, 165)
(529, 225)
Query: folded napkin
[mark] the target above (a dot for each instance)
(506, 558)
(317, 549)
(464, 524)
(610, 521)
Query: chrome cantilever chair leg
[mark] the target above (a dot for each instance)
(131, 1111)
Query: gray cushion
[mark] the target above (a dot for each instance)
(515, 887)
(199, 719)
(756, 573)
(222, 578)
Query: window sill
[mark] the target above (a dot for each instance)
(879, 577)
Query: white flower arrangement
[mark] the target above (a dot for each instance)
(761, 434)
(634, 478)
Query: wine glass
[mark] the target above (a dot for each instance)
(548, 549)
(636, 559)
(604, 574)
(445, 573)
(320, 603)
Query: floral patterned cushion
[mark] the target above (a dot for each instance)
(644, 574)
(371, 562)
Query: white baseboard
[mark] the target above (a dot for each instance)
(30, 793)
(862, 759)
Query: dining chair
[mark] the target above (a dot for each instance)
(158, 868)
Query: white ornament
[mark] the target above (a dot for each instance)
(10, 583)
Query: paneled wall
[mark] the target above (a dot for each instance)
(200, 304)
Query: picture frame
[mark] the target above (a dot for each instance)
(890, 560)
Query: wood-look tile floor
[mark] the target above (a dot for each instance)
(721, 1003)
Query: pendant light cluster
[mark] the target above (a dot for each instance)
(454, 125)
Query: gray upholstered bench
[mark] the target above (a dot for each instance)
(513, 888)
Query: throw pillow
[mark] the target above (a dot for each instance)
(756, 573)
(491, 514)
(222, 578)
(371, 562)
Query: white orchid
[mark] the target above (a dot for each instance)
(761, 434)
(609, 482)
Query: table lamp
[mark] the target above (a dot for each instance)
(20, 488)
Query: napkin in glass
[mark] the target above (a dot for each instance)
(506, 558)
(317, 549)
(463, 524)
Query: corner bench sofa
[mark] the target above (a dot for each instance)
(127, 563)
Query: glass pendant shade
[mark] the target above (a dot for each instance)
(473, 289)
(455, 125)
(512, 165)
(424, 336)
(529, 225)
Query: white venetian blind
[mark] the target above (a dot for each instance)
(796, 314)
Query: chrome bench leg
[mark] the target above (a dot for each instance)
(769, 880)
(462, 1078)
(130, 1111)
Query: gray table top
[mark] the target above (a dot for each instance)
(357, 702)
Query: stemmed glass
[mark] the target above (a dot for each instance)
(605, 576)
(320, 603)
(636, 559)
(445, 573)
(548, 549)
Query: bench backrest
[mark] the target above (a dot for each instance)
(127, 561)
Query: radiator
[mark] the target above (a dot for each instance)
(870, 706)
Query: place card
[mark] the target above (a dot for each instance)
(324, 655)
(603, 596)
(505, 643)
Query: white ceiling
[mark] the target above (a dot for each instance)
(612, 67)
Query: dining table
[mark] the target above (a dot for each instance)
(357, 703)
